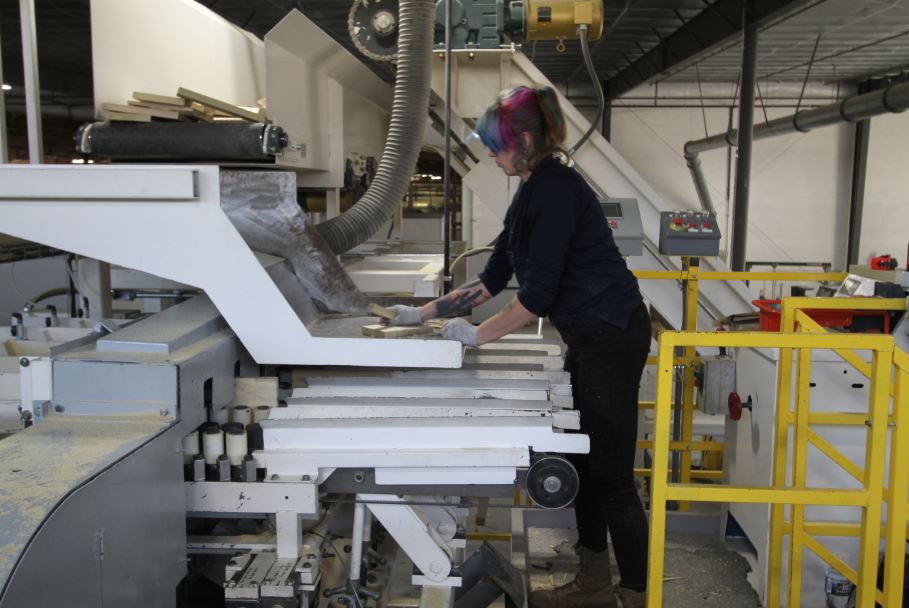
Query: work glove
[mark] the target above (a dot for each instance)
(460, 330)
(407, 315)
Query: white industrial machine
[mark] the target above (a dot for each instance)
(227, 437)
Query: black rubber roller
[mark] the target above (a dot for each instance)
(181, 140)
(552, 482)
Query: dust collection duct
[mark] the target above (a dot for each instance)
(405, 133)
(891, 99)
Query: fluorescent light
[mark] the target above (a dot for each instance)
(6, 87)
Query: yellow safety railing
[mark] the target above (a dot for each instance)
(690, 276)
(801, 532)
(869, 497)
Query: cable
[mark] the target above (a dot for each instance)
(13, 284)
(601, 101)
(469, 253)
(603, 37)
(798, 105)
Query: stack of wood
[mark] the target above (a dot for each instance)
(379, 330)
(187, 105)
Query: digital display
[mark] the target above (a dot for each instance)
(612, 209)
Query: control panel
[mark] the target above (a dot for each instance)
(624, 219)
(689, 232)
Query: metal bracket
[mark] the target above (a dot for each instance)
(425, 548)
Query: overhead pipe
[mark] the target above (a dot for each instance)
(892, 99)
(405, 133)
(743, 156)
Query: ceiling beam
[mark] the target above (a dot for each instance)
(718, 24)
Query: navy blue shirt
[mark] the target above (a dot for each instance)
(556, 241)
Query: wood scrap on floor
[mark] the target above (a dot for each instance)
(403, 331)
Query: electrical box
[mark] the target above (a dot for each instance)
(693, 233)
(624, 219)
(715, 380)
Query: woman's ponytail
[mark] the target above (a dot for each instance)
(553, 121)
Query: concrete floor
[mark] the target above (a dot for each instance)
(700, 571)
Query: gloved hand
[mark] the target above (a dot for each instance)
(460, 330)
(407, 315)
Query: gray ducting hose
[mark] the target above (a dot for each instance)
(405, 133)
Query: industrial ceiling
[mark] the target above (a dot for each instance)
(645, 41)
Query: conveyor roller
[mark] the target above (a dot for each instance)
(181, 140)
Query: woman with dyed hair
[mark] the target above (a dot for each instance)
(558, 245)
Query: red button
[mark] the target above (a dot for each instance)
(692, 225)
(678, 221)
(706, 225)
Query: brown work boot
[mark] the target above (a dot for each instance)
(630, 598)
(591, 587)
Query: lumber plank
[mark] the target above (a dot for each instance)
(128, 109)
(256, 391)
(404, 331)
(126, 117)
(381, 311)
(222, 106)
(162, 99)
(184, 111)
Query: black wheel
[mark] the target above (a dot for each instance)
(552, 482)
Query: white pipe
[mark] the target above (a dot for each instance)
(32, 86)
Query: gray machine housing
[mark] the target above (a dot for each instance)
(624, 219)
(119, 538)
(716, 379)
(690, 232)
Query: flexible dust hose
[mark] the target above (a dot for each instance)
(601, 101)
(405, 133)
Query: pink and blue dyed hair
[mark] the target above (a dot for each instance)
(523, 110)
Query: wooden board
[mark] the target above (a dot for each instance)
(381, 311)
(128, 109)
(126, 117)
(221, 106)
(157, 106)
(255, 392)
(184, 111)
(162, 99)
(383, 331)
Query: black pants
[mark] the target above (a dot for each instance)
(606, 363)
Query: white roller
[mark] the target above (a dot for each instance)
(235, 440)
(212, 445)
(221, 415)
(261, 413)
(190, 447)
(236, 448)
(242, 414)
